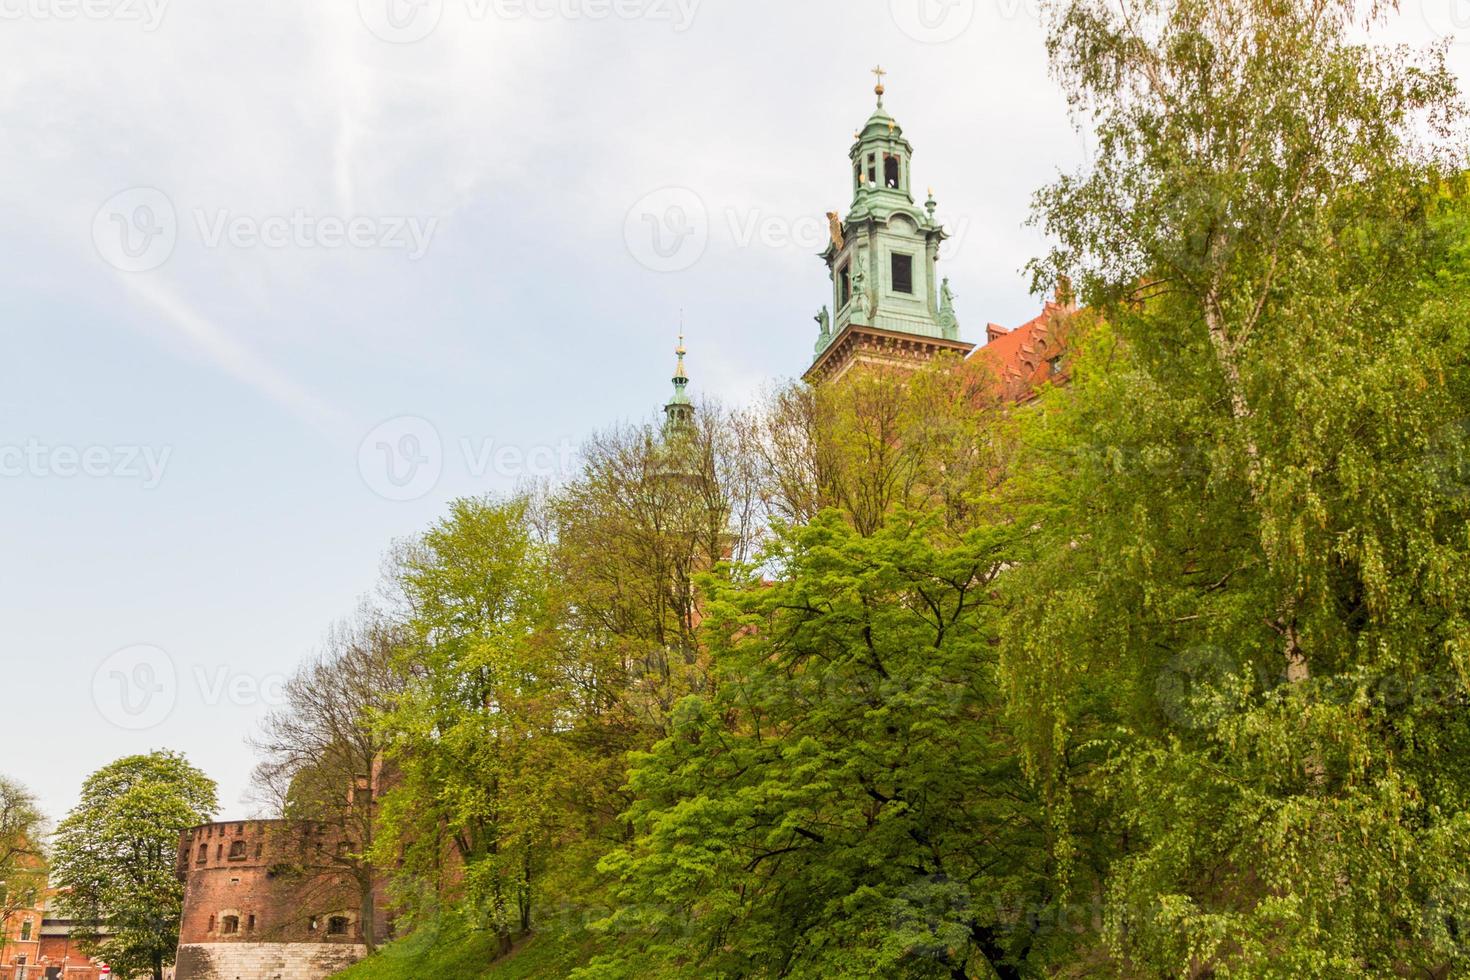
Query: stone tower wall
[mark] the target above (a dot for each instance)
(267, 900)
(264, 961)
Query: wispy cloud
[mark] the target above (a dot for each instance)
(228, 354)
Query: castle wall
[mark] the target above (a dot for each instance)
(264, 961)
(267, 900)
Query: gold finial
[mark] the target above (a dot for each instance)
(679, 372)
(880, 73)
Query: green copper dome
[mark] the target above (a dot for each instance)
(881, 126)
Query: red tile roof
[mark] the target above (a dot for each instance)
(1030, 355)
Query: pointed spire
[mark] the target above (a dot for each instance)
(681, 377)
(680, 410)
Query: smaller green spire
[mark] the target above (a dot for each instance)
(680, 410)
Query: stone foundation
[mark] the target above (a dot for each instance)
(265, 961)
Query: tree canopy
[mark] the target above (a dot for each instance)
(116, 858)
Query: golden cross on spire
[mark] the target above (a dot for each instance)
(880, 73)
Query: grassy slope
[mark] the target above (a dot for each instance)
(454, 954)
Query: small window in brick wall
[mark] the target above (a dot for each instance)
(203, 853)
(237, 850)
(229, 925)
(337, 925)
(250, 924)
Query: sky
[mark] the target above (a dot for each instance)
(281, 278)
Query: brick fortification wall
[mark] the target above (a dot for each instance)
(267, 900)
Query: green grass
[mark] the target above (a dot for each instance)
(452, 952)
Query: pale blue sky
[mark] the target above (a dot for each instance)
(184, 456)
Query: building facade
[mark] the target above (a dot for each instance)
(39, 944)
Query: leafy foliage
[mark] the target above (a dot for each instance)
(22, 858)
(846, 803)
(116, 857)
(1246, 537)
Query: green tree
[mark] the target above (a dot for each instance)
(1248, 591)
(322, 753)
(847, 802)
(116, 858)
(651, 510)
(22, 860)
(880, 441)
(842, 798)
(463, 813)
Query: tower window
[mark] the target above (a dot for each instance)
(872, 168)
(237, 850)
(891, 168)
(844, 285)
(903, 273)
(229, 925)
(203, 853)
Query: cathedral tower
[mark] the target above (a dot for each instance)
(891, 307)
